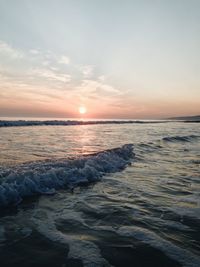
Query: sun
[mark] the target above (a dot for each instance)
(82, 110)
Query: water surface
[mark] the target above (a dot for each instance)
(143, 214)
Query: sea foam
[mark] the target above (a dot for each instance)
(45, 177)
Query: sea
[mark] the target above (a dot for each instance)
(113, 194)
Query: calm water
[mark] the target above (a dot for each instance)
(143, 214)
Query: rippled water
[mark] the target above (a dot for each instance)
(147, 214)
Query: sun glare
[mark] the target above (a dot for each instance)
(82, 110)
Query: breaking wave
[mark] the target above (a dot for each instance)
(186, 138)
(45, 177)
(8, 123)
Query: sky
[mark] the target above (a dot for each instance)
(131, 59)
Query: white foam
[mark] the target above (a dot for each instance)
(181, 255)
(45, 177)
(84, 250)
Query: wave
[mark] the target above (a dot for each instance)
(6, 123)
(186, 138)
(45, 177)
(183, 256)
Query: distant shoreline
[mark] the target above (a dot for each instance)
(195, 118)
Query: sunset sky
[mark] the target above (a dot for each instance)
(118, 59)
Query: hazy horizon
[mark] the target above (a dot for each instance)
(131, 60)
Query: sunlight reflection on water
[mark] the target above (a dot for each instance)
(156, 200)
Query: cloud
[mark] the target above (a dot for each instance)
(64, 60)
(41, 77)
(52, 75)
(46, 63)
(97, 89)
(22, 88)
(48, 57)
(87, 71)
(10, 51)
(34, 51)
(102, 78)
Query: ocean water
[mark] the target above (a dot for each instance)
(100, 195)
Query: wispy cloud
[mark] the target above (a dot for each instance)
(51, 75)
(96, 89)
(41, 77)
(87, 71)
(102, 78)
(48, 57)
(34, 51)
(8, 50)
(64, 60)
(46, 63)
